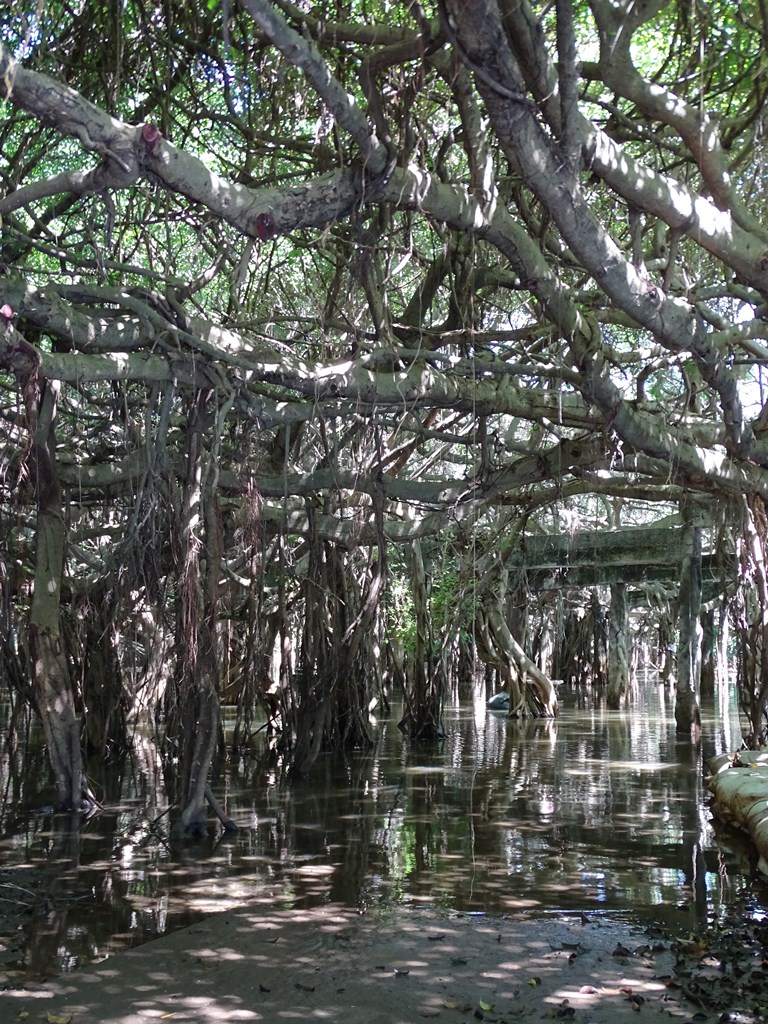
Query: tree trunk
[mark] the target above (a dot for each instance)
(687, 711)
(723, 642)
(599, 640)
(618, 647)
(197, 697)
(530, 691)
(708, 653)
(750, 611)
(104, 697)
(423, 695)
(466, 668)
(52, 684)
(668, 644)
(337, 675)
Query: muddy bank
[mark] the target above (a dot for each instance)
(332, 965)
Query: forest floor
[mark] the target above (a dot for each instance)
(402, 966)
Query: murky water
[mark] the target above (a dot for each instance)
(596, 812)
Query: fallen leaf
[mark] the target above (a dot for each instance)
(58, 1018)
(693, 948)
(666, 979)
(486, 1006)
(534, 981)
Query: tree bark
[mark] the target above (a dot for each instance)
(424, 696)
(599, 641)
(687, 710)
(52, 684)
(708, 653)
(104, 698)
(530, 691)
(197, 711)
(667, 644)
(750, 611)
(618, 647)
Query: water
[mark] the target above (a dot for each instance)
(596, 812)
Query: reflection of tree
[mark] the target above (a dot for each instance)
(47, 938)
(583, 811)
(689, 789)
(425, 793)
(98, 877)
(356, 827)
(569, 813)
(315, 832)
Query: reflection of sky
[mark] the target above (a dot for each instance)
(593, 812)
(593, 809)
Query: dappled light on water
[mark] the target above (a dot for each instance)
(592, 814)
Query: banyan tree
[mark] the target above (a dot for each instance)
(348, 349)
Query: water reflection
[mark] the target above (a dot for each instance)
(596, 812)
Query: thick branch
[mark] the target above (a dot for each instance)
(303, 53)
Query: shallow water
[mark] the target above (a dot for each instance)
(596, 812)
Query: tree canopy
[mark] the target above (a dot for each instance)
(298, 299)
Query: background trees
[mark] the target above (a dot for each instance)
(293, 295)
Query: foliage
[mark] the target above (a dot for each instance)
(451, 610)
(440, 271)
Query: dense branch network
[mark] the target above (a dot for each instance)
(458, 268)
(404, 362)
